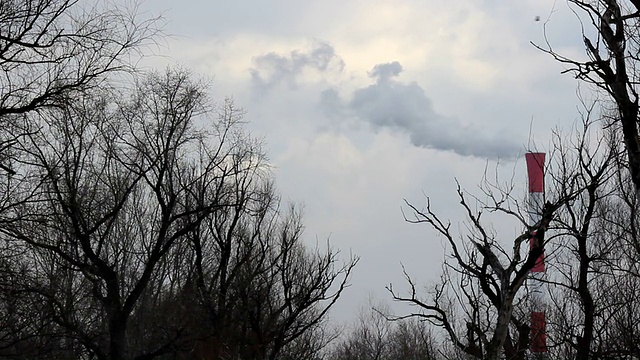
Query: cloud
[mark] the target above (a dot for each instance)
(384, 72)
(404, 107)
(273, 69)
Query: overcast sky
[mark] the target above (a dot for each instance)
(364, 103)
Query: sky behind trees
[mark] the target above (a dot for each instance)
(365, 103)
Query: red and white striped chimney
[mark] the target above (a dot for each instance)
(538, 339)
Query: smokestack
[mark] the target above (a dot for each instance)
(538, 339)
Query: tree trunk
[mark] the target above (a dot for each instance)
(494, 348)
(118, 337)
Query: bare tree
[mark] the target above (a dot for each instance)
(373, 336)
(596, 299)
(147, 233)
(56, 49)
(104, 191)
(263, 289)
(129, 229)
(583, 165)
(594, 283)
(489, 278)
(593, 220)
(592, 256)
(612, 47)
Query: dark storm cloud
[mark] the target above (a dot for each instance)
(405, 107)
(272, 69)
